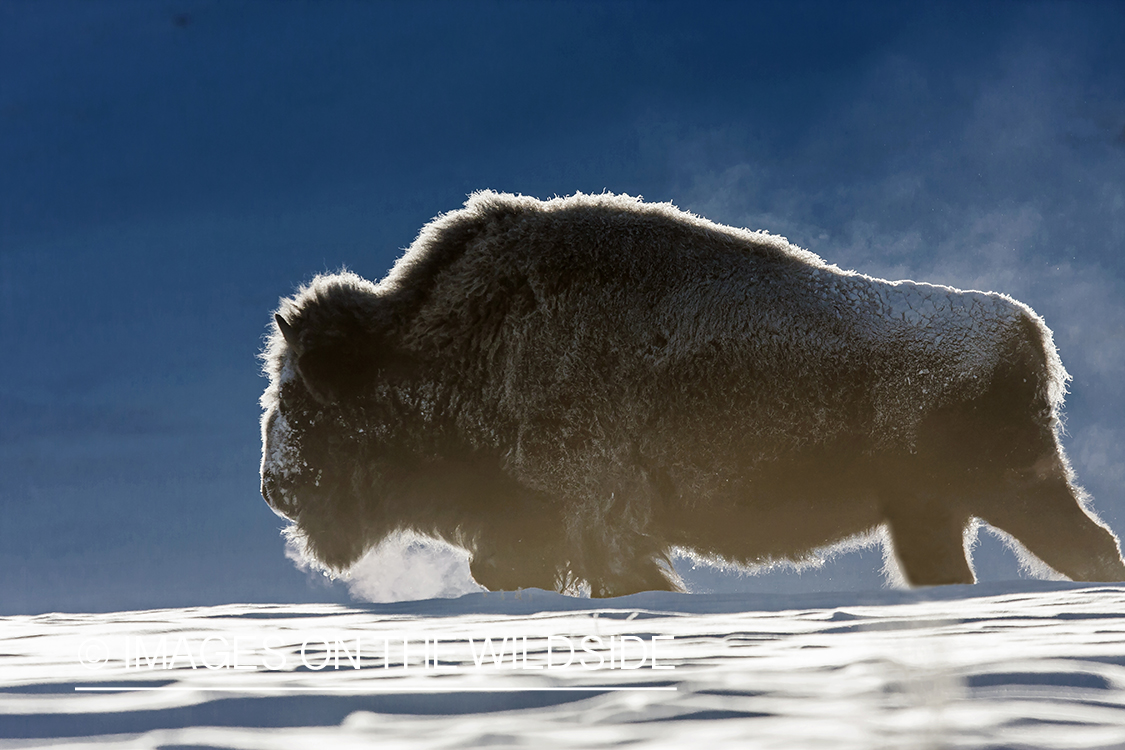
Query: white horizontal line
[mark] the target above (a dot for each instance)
(375, 689)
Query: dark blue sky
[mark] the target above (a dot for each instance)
(169, 169)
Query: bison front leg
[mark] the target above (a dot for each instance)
(516, 559)
(641, 576)
(1043, 512)
(928, 539)
(499, 573)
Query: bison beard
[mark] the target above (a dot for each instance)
(570, 389)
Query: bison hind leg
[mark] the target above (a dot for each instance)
(928, 542)
(1048, 519)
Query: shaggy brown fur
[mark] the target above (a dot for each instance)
(571, 388)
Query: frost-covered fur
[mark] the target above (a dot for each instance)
(571, 388)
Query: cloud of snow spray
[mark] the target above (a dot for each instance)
(405, 567)
(408, 566)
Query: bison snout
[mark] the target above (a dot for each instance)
(278, 501)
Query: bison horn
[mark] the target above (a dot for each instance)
(287, 330)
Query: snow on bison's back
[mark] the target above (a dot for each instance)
(571, 388)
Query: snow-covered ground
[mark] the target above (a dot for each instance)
(1028, 665)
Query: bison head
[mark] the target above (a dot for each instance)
(325, 417)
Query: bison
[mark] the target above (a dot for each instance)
(570, 389)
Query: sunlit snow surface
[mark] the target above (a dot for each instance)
(1035, 664)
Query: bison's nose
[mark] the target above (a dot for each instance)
(277, 499)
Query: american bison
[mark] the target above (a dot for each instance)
(572, 388)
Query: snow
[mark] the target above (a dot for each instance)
(1035, 665)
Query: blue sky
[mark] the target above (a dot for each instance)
(169, 169)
